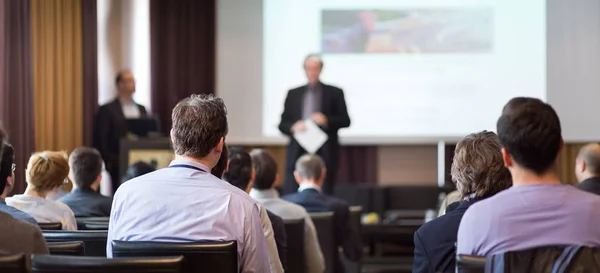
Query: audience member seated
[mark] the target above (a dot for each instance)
(20, 237)
(478, 172)
(240, 174)
(7, 181)
(46, 171)
(310, 173)
(184, 202)
(138, 169)
(587, 168)
(86, 173)
(263, 191)
(221, 166)
(449, 201)
(538, 210)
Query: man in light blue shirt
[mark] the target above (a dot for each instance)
(7, 181)
(537, 210)
(185, 202)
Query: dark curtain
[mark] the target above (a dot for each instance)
(358, 165)
(182, 49)
(16, 83)
(90, 68)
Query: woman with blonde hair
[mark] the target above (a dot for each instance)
(46, 172)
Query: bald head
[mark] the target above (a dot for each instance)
(588, 162)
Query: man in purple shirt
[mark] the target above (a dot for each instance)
(185, 202)
(538, 210)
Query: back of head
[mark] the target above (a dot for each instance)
(6, 165)
(221, 166)
(199, 124)
(310, 168)
(265, 169)
(529, 130)
(239, 171)
(138, 169)
(590, 155)
(47, 170)
(86, 166)
(478, 167)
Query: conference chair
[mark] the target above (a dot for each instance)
(470, 264)
(95, 226)
(75, 248)
(50, 226)
(296, 261)
(82, 221)
(70, 264)
(94, 241)
(13, 263)
(199, 257)
(326, 232)
(355, 220)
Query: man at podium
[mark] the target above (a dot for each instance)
(324, 105)
(112, 124)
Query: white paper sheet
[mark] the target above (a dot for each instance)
(313, 138)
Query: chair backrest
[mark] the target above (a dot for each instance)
(326, 231)
(94, 240)
(75, 248)
(470, 264)
(13, 264)
(70, 264)
(82, 221)
(199, 257)
(50, 226)
(95, 226)
(355, 220)
(294, 230)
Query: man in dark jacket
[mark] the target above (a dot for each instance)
(310, 174)
(478, 171)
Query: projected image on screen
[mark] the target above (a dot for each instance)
(467, 30)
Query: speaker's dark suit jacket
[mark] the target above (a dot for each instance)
(109, 127)
(85, 202)
(591, 185)
(333, 106)
(435, 242)
(345, 234)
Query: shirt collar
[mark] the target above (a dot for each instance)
(191, 163)
(127, 103)
(264, 194)
(304, 186)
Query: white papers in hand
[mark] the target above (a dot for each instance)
(312, 138)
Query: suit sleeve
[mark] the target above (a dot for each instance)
(350, 237)
(421, 261)
(287, 119)
(39, 243)
(340, 118)
(102, 127)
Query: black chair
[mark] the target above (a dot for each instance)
(82, 221)
(470, 264)
(355, 219)
(50, 226)
(296, 261)
(326, 231)
(199, 257)
(95, 226)
(13, 264)
(94, 241)
(70, 264)
(75, 248)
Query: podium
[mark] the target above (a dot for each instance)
(150, 150)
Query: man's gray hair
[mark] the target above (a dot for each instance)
(199, 123)
(313, 56)
(310, 167)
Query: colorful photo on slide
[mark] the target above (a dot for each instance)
(456, 30)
